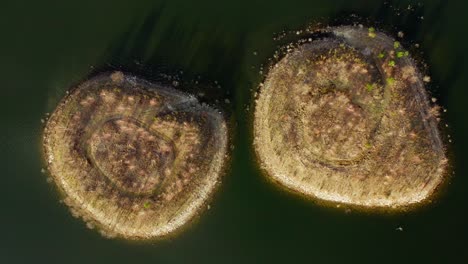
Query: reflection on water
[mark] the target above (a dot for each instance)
(48, 47)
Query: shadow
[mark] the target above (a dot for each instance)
(203, 59)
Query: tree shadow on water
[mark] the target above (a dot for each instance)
(204, 59)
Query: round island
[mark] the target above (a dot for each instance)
(345, 118)
(132, 158)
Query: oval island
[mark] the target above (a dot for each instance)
(134, 159)
(345, 118)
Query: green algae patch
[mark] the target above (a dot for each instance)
(343, 118)
(135, 159)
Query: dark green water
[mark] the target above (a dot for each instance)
(46, 46)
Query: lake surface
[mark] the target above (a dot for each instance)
(48, 46)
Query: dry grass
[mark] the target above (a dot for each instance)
(134, 159)
(346, 119)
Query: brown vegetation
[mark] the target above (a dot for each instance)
(134, 159)
(346, 119)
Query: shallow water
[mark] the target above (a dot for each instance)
(47, 46)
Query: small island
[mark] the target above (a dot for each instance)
(345, 118)
(134, 159)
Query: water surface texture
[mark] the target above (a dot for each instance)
(49, 46)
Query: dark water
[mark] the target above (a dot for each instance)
(46, 46)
